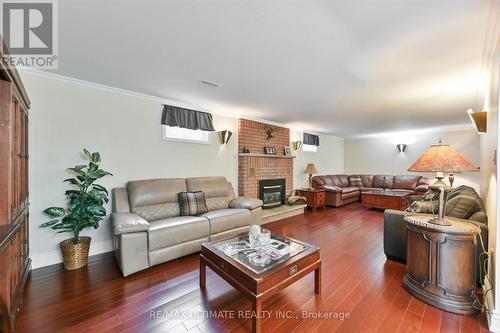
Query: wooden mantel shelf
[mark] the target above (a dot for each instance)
(264, 155)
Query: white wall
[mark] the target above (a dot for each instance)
(329, 159)
(66, 117)
(489, 187)
(380, 155)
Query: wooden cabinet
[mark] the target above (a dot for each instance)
(14, 241)
(315, 197)
(440, 264)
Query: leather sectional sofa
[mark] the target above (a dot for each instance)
(342, 190)
(148, 229)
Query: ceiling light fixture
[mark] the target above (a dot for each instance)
(215, 85)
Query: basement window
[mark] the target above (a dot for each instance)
(180, 134)
(309, 148)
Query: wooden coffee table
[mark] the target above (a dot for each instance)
(385, 199)
(255, 282)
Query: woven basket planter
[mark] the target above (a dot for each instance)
(75, 255)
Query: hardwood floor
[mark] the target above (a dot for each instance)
(356, 280)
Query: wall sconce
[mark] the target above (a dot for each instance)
(296, 144)
(479, 120)
(401, 147)
(225, 136)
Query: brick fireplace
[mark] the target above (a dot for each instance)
(256, 166)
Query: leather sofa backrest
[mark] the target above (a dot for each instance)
(367, 180)
(155, 199)
(463, 206)
(461, 190)
(216, 189)
(344, 180)
(318, 181)
(406, 182)
(378, 181)
(389, 182)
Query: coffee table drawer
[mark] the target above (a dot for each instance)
(288, 271)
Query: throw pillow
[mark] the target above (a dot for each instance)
(355, 181)
(192, 203)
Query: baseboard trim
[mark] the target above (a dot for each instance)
(55, 257)
(493, 316)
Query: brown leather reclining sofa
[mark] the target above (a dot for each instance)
(344, 189)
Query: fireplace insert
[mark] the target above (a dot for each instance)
(272, 192)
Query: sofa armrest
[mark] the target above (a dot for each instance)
(421, 189)
(395, 235)
(480, 217)
(247, 203)
(124, 223)
(423, 181)
(334, 189)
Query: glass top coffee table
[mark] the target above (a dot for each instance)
(259, 274)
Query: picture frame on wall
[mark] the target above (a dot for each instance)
(287, 151)
(268, 150)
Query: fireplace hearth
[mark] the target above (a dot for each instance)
(272, 192)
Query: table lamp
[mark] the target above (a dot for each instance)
(310, 170)
(441, 158)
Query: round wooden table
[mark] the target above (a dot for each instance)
(441, 263)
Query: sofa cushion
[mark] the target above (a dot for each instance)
(355, 181)
(462, 190)
(244, 202)
(154, 191)
(367, 180)
(216, 191)
(226, 219)
(363, 189)
(462, 206)
(192, 203)
(155, 199)
(349, 195)
(336, 180)
(388, 182)
(176, 230)
(378, 181)
(344, 180)
(350, 189)
(406, 182)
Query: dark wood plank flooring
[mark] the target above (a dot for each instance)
(356, 279)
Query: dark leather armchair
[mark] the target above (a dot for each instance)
(462, 202)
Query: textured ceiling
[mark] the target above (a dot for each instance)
(341, 67)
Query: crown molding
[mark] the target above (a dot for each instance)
(236, 115)
(148, 97)
(105, 87)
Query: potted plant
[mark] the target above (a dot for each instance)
(84, 209)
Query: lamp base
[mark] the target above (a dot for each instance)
(440, 184)
(438, 221)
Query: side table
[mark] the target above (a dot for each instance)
(440, 264)
(315, 197)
